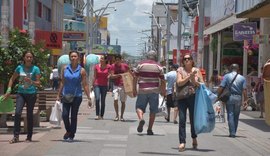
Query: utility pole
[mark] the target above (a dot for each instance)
(168, 33)
(4, 22)
(31, 19)
(179, 32)
(87, 27)
(200, 34)
(91, 27)
(158, 39)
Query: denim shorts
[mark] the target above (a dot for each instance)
(144, 99)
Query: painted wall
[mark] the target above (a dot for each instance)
(42, 23)
(242, 5)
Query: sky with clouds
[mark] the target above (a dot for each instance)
(127, 21)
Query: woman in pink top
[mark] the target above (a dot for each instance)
(100, 85)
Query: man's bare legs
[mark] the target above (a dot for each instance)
(123, 107)
(116, 110)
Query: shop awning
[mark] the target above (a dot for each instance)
(222, 24)
(260, 10)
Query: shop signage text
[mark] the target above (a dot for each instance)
(244, 31)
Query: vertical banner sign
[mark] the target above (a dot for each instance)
(174, 56)
(244, 31)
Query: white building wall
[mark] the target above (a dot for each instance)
(242, 5)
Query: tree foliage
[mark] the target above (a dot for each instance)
(11, 56)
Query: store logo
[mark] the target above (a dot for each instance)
(244, 31)
(53, 38)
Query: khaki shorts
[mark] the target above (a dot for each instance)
(119, 91)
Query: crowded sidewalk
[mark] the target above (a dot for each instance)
(107, 137)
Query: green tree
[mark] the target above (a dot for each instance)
(11, 56)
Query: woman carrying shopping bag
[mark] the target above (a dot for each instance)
(188, 79)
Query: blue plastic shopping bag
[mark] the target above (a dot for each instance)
(204, 115)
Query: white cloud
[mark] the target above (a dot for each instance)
(125, 23)
(143, 2)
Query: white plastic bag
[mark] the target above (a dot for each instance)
(219, 111)
(92, 103)
(162, 108)
(56, 114)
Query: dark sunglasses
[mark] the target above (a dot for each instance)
(187, 58)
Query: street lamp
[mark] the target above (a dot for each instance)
(90, 12)
(158, 32)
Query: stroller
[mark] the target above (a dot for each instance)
(251, 102)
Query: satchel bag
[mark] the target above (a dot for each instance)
(226, 93)
(68, 98)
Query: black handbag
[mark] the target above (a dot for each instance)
(68, 98)
(226, 92)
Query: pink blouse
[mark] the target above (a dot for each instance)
(102, 75)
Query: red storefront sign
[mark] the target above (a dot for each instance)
(53, 40)
(183, 52)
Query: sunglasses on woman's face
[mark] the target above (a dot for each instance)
(187, 58)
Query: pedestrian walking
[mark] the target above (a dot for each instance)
(214, 81)
(118, 89)
(188, 79)
(259, 89)
(233, 105)
(72, 79)
(54, 77)
(170, 78)
(149, 76)
(29, 79)
(100, 85)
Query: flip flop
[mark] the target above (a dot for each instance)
(116, 118)
(122, 119)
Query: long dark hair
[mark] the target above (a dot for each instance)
(26, 52)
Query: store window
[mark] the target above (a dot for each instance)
(39, 12)
(47, 13)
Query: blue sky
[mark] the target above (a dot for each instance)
(125, 23)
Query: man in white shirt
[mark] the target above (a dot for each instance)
(54, 77)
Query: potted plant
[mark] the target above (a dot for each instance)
(43, 115)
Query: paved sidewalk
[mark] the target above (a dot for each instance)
(109, 138)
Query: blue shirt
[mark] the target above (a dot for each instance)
(170, 77)
(238, 85)
(72, 81)
(24, 87)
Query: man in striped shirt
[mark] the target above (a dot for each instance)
(149, 76)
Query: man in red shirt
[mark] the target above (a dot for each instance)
(118, 89)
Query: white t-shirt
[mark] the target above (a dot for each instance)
(54, 74)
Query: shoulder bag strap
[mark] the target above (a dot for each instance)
(232, 81)
(229, 84)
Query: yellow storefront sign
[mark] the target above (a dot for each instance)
(56, 52)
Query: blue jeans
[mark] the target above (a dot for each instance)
(233, 107)
(183, 105)
(73, 108)
(100, 95)
(29, 100)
